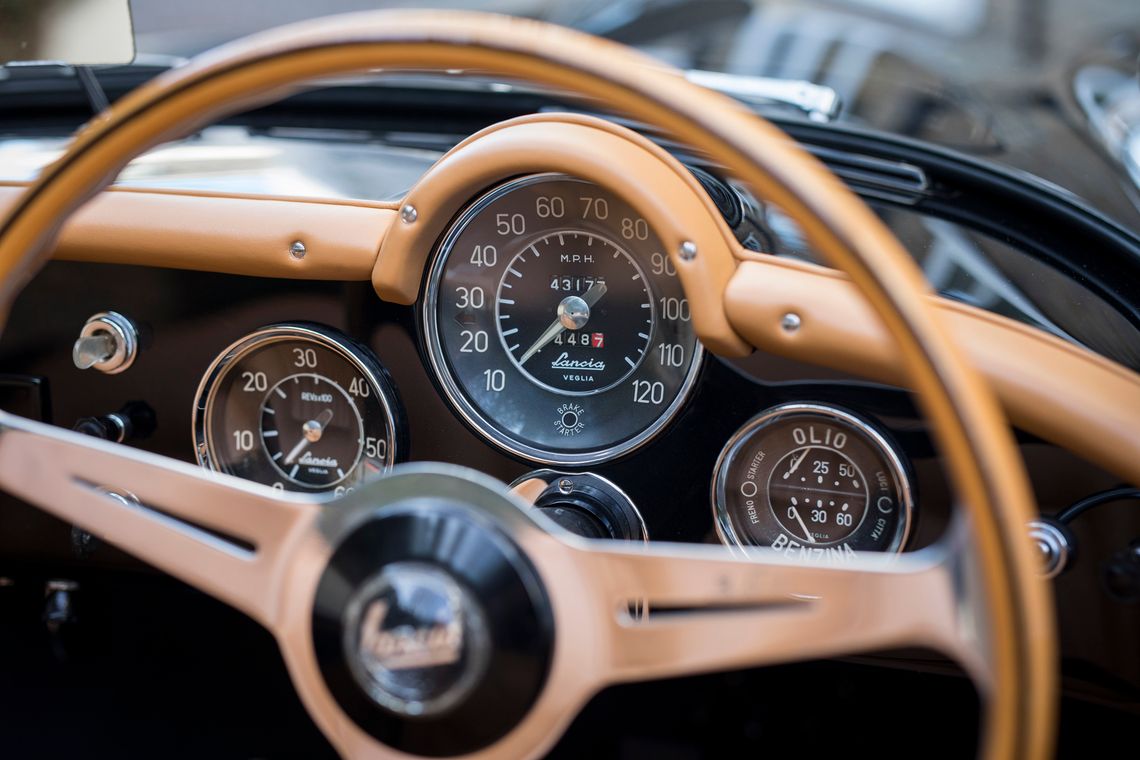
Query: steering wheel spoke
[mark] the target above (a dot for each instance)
(676, 610)
(220, 534)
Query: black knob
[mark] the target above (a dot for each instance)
(1122, 574)
(589, 506)
(134, 421)
(576, 520)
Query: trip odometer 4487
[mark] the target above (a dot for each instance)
(556, 323)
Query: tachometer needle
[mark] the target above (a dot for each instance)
(591, 296)
(311, 432)
(800, 520)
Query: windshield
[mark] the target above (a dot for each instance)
(1002, 79)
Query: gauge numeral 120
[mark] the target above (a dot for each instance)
(645, 392)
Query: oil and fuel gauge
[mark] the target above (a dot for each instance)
(814, 481)
(301, 407)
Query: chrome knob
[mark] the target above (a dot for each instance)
(1053, 546)
(108, 342)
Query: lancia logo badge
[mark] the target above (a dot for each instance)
(417, 640)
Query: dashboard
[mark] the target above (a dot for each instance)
(549, 340)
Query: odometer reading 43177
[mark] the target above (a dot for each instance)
(556, 322)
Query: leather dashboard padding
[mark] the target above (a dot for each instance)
(1045, 384)
(989, 478)
(223, 233)
(588, 148)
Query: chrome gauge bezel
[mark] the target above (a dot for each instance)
(900, 472)
(474, 418)
(329, 338)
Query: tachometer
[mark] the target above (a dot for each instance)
(556, 323)
(814, 481)
(299, 407)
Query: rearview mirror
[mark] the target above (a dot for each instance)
(78, 32)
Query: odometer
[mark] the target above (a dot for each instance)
(298, 407)
(556, 323)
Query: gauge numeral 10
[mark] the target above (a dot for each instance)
(470, 298)
(474, 342)
(243, 440)
(549, 207)
(645, 392)
(671, 354)
(495, 379)
(360, 387)
(485, 256)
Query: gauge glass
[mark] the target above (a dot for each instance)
(298, 407)
(814, 481)
(556, 323)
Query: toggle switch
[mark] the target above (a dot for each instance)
(108, 342)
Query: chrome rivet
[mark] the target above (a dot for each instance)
(791, 322)
(298, 250)
(408, 213)
(687, 251)
(565, 485)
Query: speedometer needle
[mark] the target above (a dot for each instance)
(590, 297)
(800, 520)
(311, 432)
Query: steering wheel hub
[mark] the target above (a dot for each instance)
(431, 628)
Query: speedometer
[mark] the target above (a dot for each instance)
(556, 324)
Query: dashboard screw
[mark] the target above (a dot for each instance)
(791, 322)
(565, 485)
(408, 213)
(298, 250)
(687, 251)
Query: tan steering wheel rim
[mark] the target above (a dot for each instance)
(970, 430)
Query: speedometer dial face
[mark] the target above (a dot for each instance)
(298, 407)
(556, 323)
(813, 481)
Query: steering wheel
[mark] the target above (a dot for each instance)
(519, 624)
